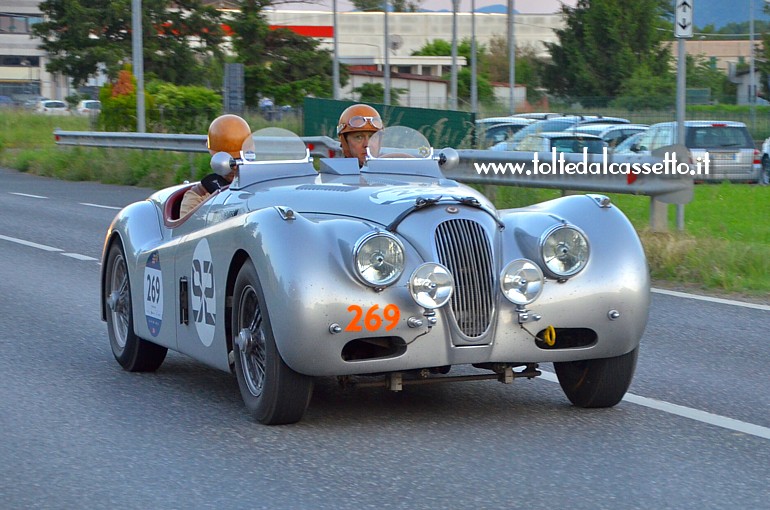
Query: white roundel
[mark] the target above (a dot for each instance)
(202, 293)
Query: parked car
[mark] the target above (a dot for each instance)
(89, 107)
(539, 115)
(728, 144)
(389, 274)
(547, 125)
(52, 107)
(627, 145)
(613, 134)
(562, 141)
(601, 119)
(6, 102)
(492, 130)
(551, 125)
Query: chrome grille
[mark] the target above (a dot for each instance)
(463, 247)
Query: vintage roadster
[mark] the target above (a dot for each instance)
(388, 274)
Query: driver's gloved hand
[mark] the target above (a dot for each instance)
(213, 182)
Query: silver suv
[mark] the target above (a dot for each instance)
(730, 148)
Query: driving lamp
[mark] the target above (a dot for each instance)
(379, 259)
(564, 250)
(521, 281)
(431, 285)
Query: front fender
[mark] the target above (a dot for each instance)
(137, 226)
(305, 269)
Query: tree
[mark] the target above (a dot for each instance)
(529, 67)
(702, 74)
(83, 37)
(441, 47)
(375, 93)
(279, 64)
(602, 45)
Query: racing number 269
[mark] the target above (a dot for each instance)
(371, 319)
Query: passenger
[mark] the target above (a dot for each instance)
(226, 134)
(358, 123)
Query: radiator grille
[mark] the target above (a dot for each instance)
(463, 247)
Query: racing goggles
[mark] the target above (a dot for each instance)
(358, 121)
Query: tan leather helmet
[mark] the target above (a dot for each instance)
(227, 134)
(359, 117)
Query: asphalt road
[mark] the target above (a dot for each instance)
(76, 431)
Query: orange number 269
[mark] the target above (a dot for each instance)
(371, 319)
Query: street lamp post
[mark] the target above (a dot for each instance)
(336, 56)
(511, 59)
(752, 83)
(453, 82)
(386, 73)
(474, 81)
(138, 62)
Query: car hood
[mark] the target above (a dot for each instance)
(377, 198)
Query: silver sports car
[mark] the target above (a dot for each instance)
(389, 274)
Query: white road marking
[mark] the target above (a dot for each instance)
(78, 256)
(712, 299)
(660, 405)
(26, 195)
(30, 243)
(687, 412)
(100, 206)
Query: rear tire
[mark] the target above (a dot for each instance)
(133, 353)
(273, 393)
(597, 382)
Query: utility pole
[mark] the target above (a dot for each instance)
(453, 83)
(511, 59)
(386, 70)
(335, 56)
(138, 62)
(474, 80)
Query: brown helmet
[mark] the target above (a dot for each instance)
(227, 134)
(359, 117)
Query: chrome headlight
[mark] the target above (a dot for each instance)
(521, 281)
(379, 259)
(564, 250)
(431, 285)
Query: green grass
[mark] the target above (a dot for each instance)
(725, 246)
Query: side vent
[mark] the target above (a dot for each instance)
(184, 300)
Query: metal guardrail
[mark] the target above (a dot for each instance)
(662, 189)
(321, 146)
(587, 173)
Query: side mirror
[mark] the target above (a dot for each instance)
(223, 164)
(448, 158)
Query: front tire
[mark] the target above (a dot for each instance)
(597, 382)
(273, 393)
(133, 353)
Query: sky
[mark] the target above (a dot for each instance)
(521, 6)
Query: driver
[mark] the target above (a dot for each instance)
(357, 125)
(226, 134)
